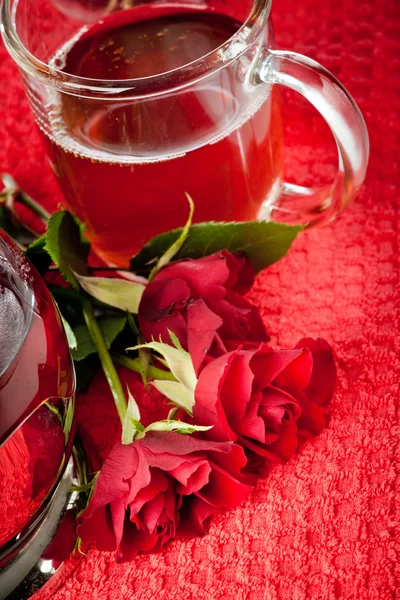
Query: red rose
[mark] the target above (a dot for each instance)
(137, 500)
(266, 399)
(201, 301)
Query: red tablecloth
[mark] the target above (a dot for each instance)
(326, 525)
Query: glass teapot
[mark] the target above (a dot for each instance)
(37, 385)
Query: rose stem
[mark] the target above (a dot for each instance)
(34, 206)
(134, 364)
(105, 358)
(11, 187)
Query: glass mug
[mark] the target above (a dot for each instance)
(37, 385)
(140, 102)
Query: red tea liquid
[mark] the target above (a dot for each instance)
(124, 166)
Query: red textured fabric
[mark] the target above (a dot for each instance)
(326, 525)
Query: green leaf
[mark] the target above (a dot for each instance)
(85, 487)
(145, 359)
(132, 418)
(55, 411)
(179, 362)
(264, 243)
(72, 343)
(110, 328)
(38, 254)
(133, 410)
(68, 419)
(132, 323)
(136, 365)
(119, 293)
(175, 340)
(175, 391)
(139, 428)
(173, 413)
(177, 244)
(37, 246)
(177, 426)
(65, 245)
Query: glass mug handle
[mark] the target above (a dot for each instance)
(298, 204)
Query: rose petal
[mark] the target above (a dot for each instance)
(162, 298)
(267, 363)
(252, 424)
(135, 541)
(234, 462)
(141, 478)
(286, 444)
(99, 527)
(323, 378)
(160, 330)
(236, 388)
(196, 516)
(158, 483)
(118, 514)
(206, 276)
(119, 467)
(241, 320)
(192, 475)
(202, 325)
(282, 449)
(297, 374)
(159, 311)
(245, 274)
(208, 409)
(151, 512)
(276, 405)
(312, 419)
(259, 449)
(156, 531)
(162, 445)
(224, 490)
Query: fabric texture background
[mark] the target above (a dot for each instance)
(326, 525)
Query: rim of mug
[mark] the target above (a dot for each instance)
(145, 86)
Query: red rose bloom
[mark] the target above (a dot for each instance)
(136, 503)
(201, 302)
(266, 399)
